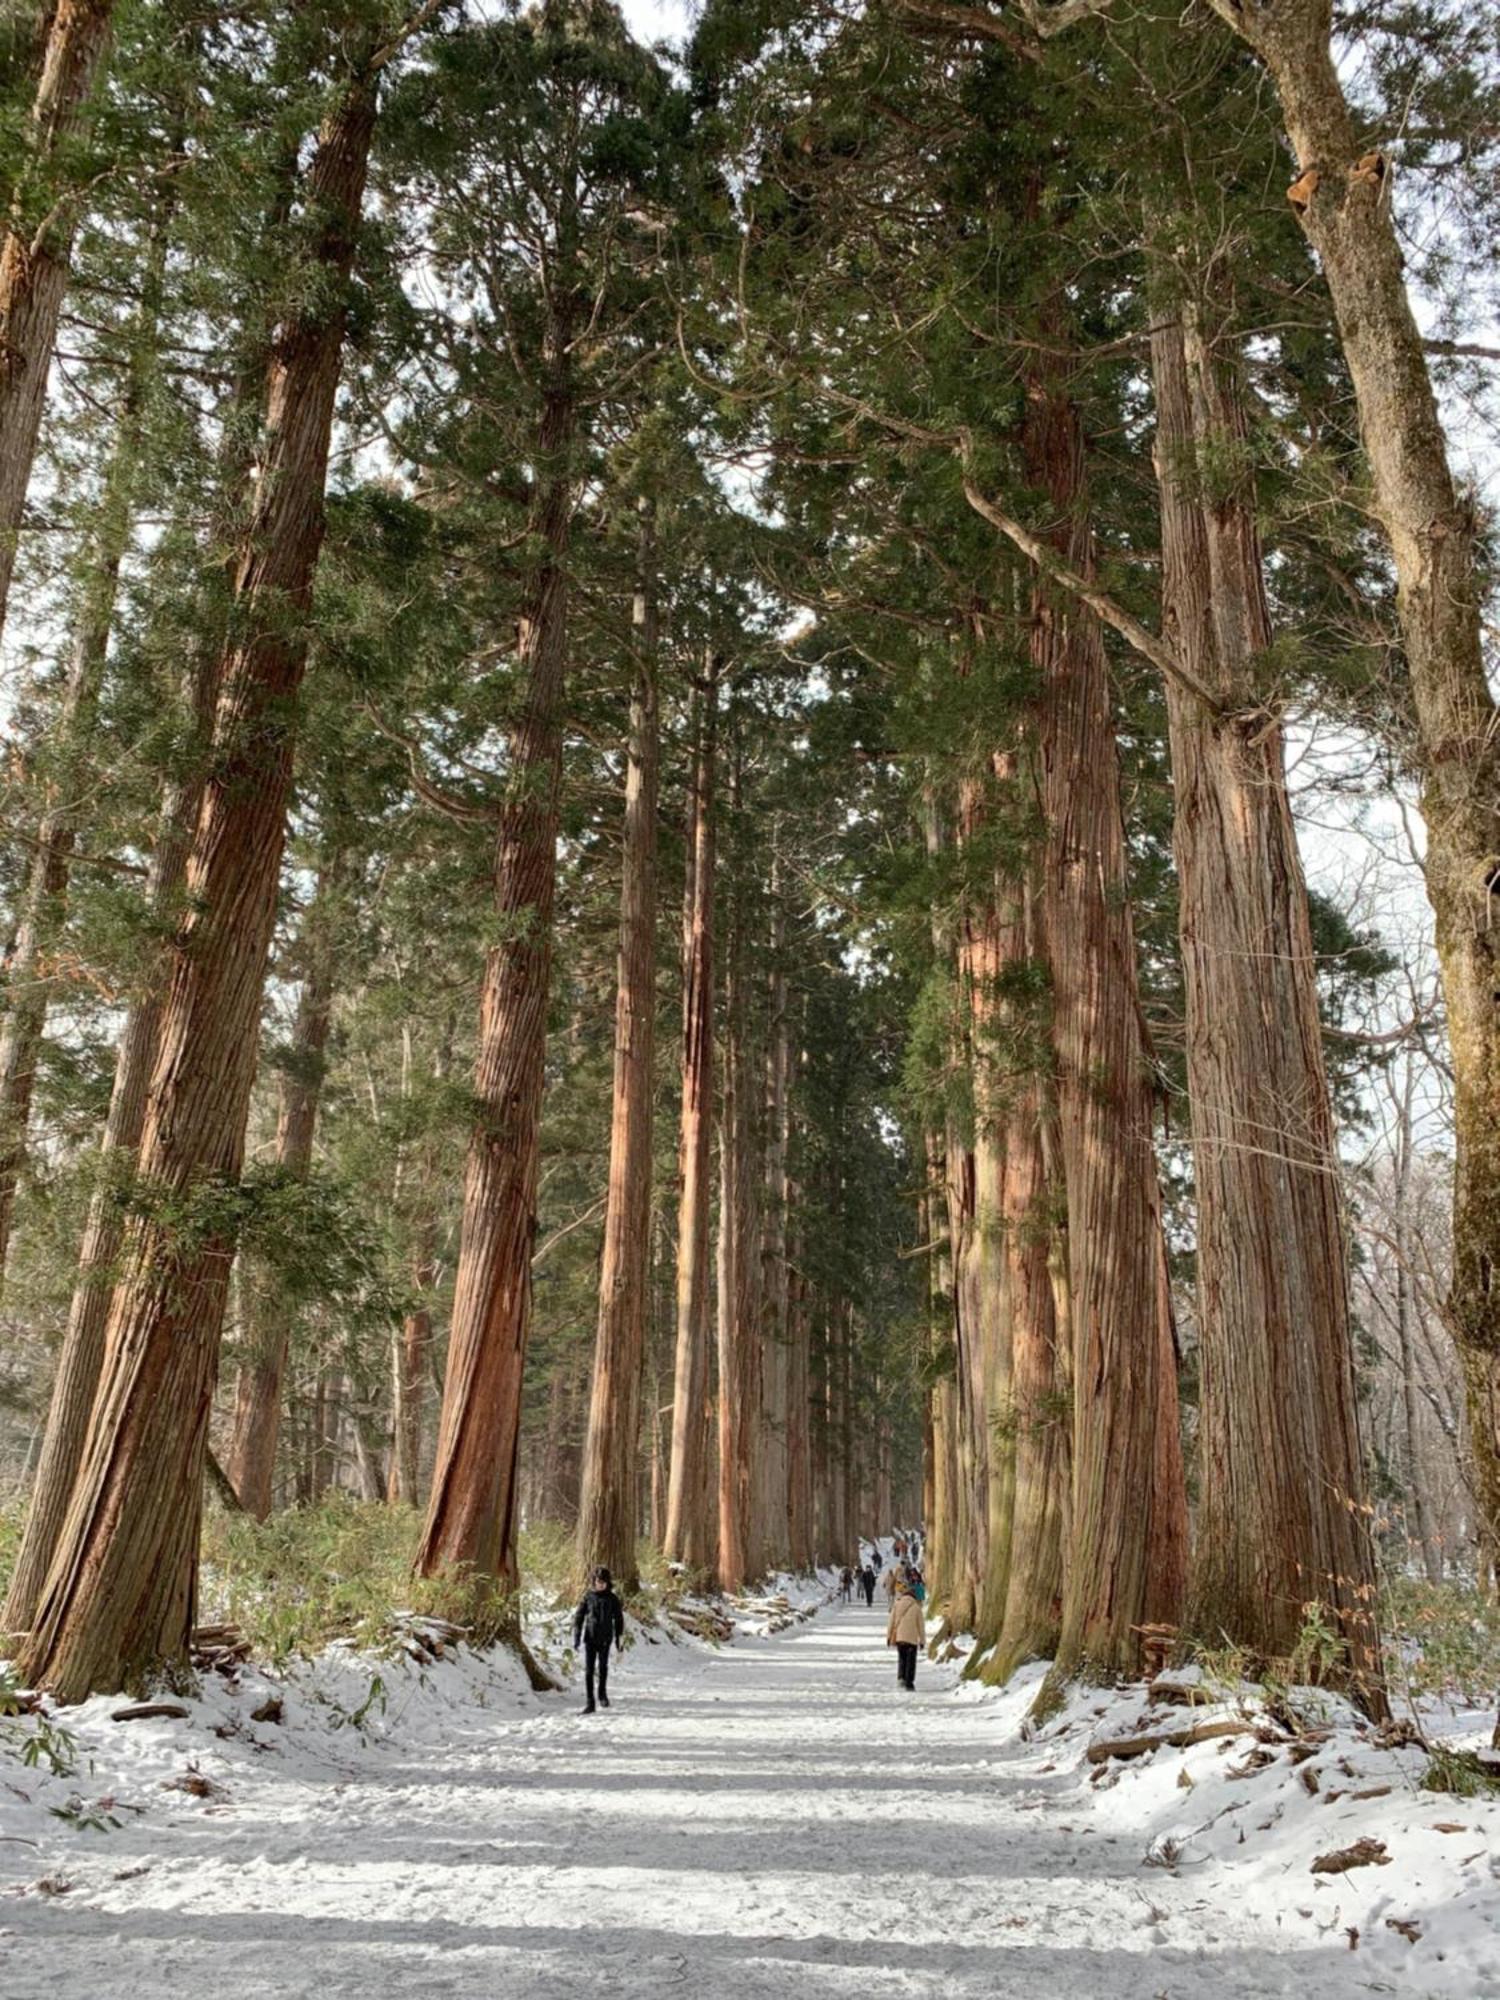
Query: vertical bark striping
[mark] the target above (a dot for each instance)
(1345, 207)
(739, 1263)
(1025, 1627)
(1283, 1519)
(471, 1517)
(82, 1352)
(1127, 1553)
(775, 1297)
(951, 1573)
(32, 976)
(690, 1523)
(35, 255)
(412, 1346)
(258, 1386)
(607, 1513)
(960, 1192)
(799, 1480)
(119, 1596)
(989, 941)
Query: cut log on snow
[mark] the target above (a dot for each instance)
(1170, 1739)
(1179, 1694)
(147, 1711)
(1363, 1854)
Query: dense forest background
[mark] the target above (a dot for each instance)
(750, 792)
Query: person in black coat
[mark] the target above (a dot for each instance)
(600, 1622)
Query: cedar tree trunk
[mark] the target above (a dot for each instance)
(471, 1516)
(690, 1521)
(258, 1386)
(1283, 1518)
(1127, 1553)
(607, 1527)
(35, 254)
(82, 1351)
(118, 1601)
(1343, 199)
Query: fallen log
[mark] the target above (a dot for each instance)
(1169, 1739)
(147, 1711)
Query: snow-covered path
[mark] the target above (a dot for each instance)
(773, 1820)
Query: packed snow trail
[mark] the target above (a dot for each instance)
(773, 1820)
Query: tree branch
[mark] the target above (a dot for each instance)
(1474, 348)
(464, 811)
(970, 21)
(1099, 601)
(1103, 606)
(1045, 22)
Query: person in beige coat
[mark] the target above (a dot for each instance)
(906, 1631)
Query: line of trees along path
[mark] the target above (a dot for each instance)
(718, 636)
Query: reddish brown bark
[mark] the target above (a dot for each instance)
(82, 1351)
(776, 1383)
(800, 1535)
(942, 1499)
(991, 945)
(952, 1567)
(1283, 1517)
(471, 1518)
(1036, 1298)
(690, 1516)
(251, 1463)
(972, 1519)
(1343, 199)
(607, 1526)
(35, 254)
(411, 1348)
(739, 1354)
(31, 983)
(32, 968)
(738, 1262)
(1127, 1554)
(119, 1596)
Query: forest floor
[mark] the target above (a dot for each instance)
(767, 1819)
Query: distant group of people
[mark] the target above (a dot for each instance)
(599, 1621)
(906, 1592)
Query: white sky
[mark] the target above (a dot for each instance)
(652, 19)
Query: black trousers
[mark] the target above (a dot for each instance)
(596, 1660)
(869, 1591)
(906, 1666)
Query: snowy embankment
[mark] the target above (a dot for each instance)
(1296, 1814)
(762, 1819)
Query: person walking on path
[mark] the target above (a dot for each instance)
(867, 1583)
(846, 1585)
(600, 1622)
(906, 1631)
(890, 1580)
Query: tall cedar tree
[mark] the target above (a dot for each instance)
(569, 125)
(607, 1526)
(119, 1595)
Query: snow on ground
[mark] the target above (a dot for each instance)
(770, 1818)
